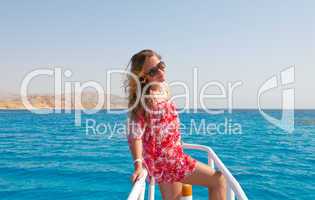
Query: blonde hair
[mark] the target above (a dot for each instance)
(131, 88)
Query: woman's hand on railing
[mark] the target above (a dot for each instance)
(137, 174)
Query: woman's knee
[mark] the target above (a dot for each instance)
(220, 180)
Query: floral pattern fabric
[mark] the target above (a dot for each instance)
(162, 152)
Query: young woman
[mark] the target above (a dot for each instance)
(153, 133)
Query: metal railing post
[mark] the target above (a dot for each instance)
(230, 194)
(234, 188)
(151, 188)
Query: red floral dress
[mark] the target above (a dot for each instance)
(162, 150)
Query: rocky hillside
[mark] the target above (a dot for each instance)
(89, 100)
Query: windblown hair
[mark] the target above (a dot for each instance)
(136, 62)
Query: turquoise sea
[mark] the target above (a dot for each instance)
(48, 157)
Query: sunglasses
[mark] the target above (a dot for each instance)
(154, 70)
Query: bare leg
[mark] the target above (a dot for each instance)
(171, 191)
(204, 175)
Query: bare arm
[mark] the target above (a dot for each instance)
(135, 145)
(136, 152)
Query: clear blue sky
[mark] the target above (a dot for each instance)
(226, 40)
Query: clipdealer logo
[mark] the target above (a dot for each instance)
(287, 77)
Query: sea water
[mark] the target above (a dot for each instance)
(48, 157)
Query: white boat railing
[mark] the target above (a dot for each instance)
(233, 187)
(138, 189)
(234, 190)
